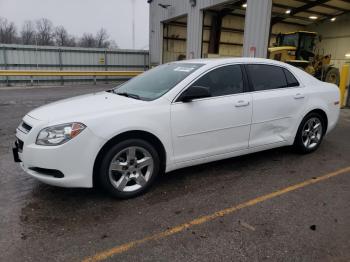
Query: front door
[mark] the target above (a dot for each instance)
(215, 125)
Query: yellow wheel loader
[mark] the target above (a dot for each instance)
(298, 49)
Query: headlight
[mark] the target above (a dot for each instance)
(57, 135)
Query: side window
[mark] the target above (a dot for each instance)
(222, 81)
(291, 80)
(266, 77)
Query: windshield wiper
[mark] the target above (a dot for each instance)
(129, 95)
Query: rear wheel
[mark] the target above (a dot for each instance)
(310, 133)
(332, 76)
(129, 168)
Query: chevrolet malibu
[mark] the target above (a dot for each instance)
(176, 115)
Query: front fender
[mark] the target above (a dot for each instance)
(155, 121)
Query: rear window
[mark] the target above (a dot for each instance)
(266, 77)
(291, 80)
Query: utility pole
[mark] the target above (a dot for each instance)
(133, 24)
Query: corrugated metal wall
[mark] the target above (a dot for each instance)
(257, 27)
(25, 57)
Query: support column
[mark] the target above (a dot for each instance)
(155, 35)
(4, 53)
(257, 28)
(60, 64)
(194, 33)
(215, 34)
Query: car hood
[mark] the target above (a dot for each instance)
(85, 105)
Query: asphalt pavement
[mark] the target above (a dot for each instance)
(273, 206)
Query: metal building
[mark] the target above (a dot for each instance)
(177, 26)
(182, 29)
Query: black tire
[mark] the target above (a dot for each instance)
(332, 76)
(299, 145)
(104, 174)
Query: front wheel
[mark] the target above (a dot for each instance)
(310, 133)
(129, 168)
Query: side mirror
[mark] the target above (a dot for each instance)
(195, 92)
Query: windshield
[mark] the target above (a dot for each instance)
(290, 40)
(157, 81)
(307, 43)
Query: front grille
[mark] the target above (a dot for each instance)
(26, 127)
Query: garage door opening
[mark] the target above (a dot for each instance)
(312, 35)
(174, 39)
(223, 30)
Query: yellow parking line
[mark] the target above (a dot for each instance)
(197, 221)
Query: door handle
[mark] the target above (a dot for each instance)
(241, 103)
(299, 96)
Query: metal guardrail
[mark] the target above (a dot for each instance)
(58, 73)
(67, 73)
(71, 60)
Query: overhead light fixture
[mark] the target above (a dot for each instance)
(288, 11)
(313, 17)
(347, 55)
(244, 5)
(333, 19)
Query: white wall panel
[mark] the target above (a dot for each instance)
(335, 39)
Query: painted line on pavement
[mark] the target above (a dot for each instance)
(204, 219)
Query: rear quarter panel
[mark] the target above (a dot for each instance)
(324, 96)
(319, 95)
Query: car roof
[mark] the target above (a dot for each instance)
(303, 77)
(218, 61)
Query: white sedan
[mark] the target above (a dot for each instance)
(173, 116)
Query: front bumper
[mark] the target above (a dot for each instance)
(67, 165)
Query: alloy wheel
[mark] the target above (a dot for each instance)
(312, 133)
(131, 169)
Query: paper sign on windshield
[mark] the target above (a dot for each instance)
(183, 69)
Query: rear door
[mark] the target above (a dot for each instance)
(278, 100)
